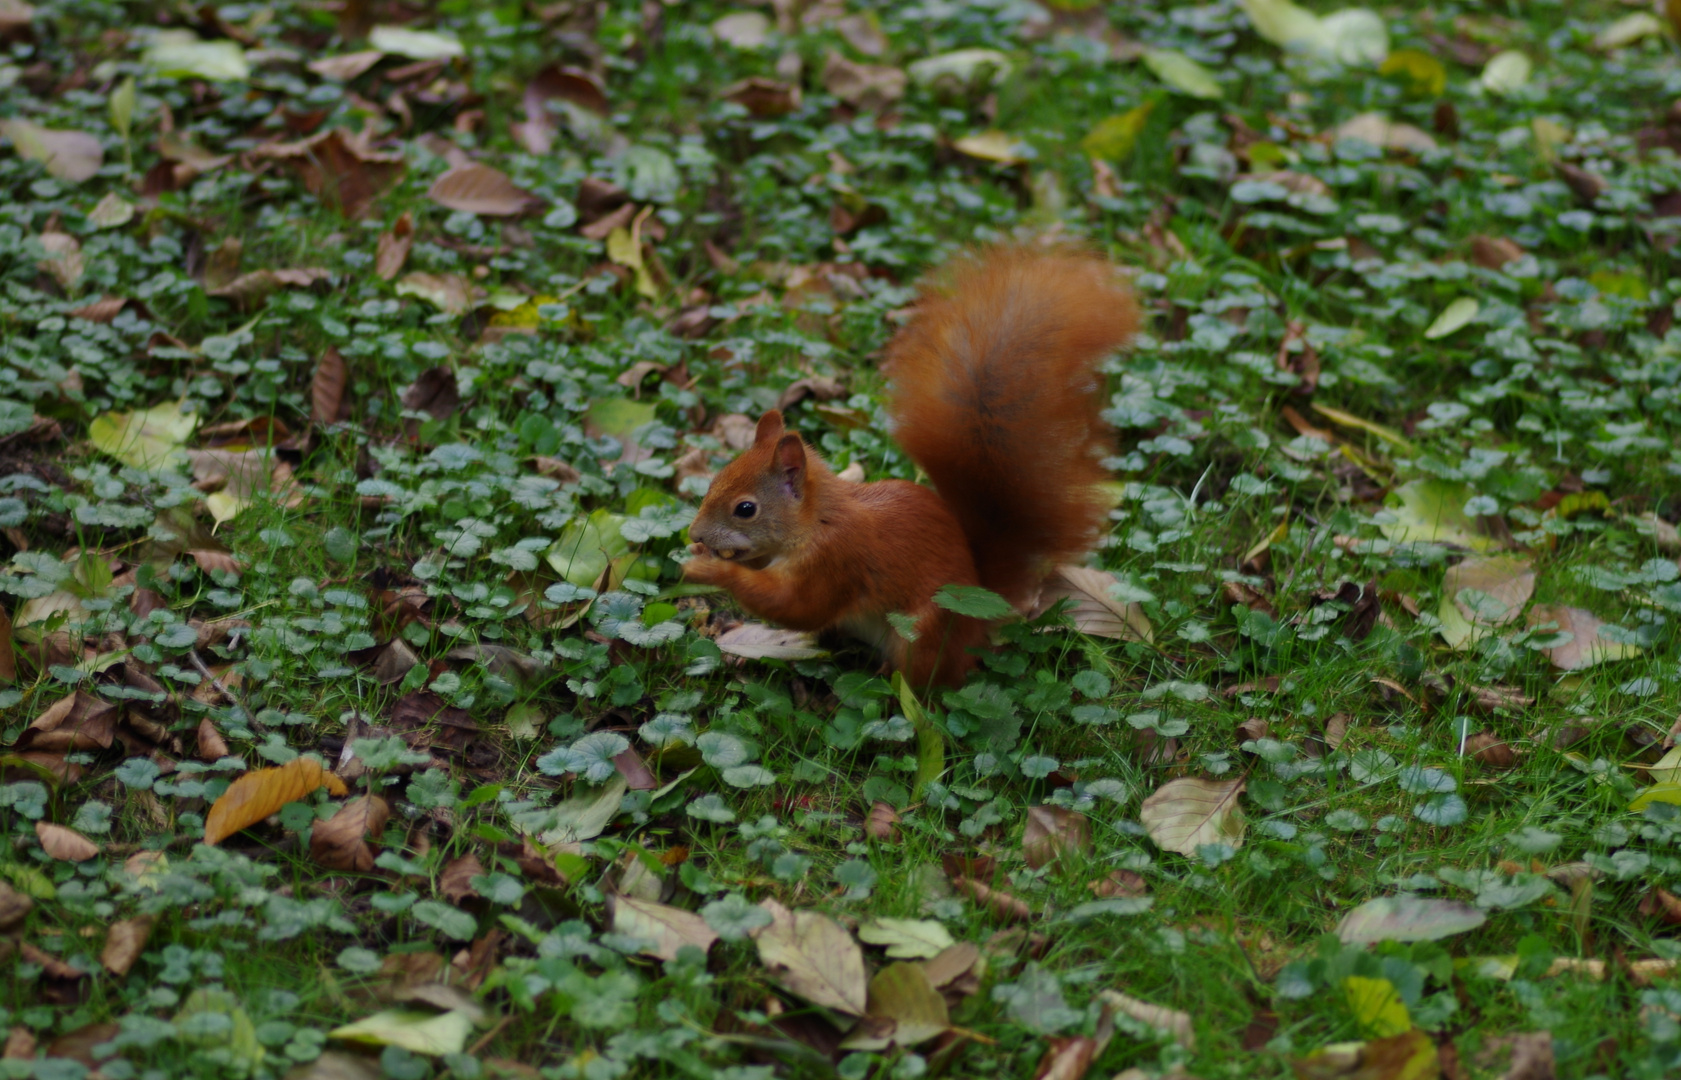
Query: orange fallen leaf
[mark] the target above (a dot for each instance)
(261, 792)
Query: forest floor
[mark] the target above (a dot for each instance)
(362, 364)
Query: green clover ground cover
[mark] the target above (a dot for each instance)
(363, 364)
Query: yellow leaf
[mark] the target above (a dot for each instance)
(1628, 30)
(1183, 74)
(223, 506)
(999, 146)
(148, 439)
(1114, 137)
(1388, 435)
(1667, 792)
(261, 792)
(1506, 72)
(624, 246)
(1377, 1007)
(1549, 136)
(1422, 74)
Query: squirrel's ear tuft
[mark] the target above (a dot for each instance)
(770, 428)
(790, 459)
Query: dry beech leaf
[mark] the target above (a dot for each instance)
(763, 97)
(341, 841)
(124, 942)
(1408, 918)
(664, 929)
(326, 388)
(1185, 814)
(261, 792)
(813, 956)
(1096, 611)
(1173, 1021)
(393, 249)
(65, 844)
(1053, 831)
(480, 189)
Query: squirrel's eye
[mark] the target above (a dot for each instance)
(746, 508)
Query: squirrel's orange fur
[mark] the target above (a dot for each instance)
(995, 393)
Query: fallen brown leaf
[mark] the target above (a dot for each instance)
(1490, 749)
(665, 928)
(341, 841)
(261, 792)
(1052, 832)
(479, 189)
(868, 87)
(882, 823)
(338, 167)
(1095, 610)
(65, 844)
(456, 882)
(78, 722)
(326, 387)
(1120, 883)
(393, 249)
(124, 942)
(1000, 903)
(814, 957)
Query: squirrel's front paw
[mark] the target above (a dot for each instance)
(705, 568)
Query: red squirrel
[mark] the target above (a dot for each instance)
(994, 391)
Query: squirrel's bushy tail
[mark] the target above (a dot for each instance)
(995, 392)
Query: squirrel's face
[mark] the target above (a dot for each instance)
(752, 509)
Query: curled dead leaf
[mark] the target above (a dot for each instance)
(393, 249)
(261, 792)
(341, 841)
(326, 388)
(1000, 903)
(338, 167)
